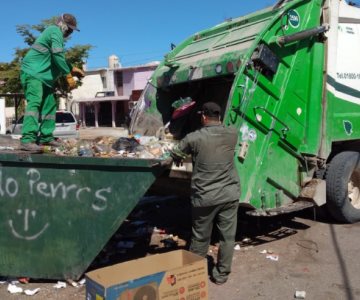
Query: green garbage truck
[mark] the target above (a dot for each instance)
(287, 77)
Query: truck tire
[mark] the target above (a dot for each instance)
(343, 187)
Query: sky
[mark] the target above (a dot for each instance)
(137, 31)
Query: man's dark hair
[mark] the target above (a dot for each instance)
(211, 109)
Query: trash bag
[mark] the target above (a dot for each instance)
(127, 144)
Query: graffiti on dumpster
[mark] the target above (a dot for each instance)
(52, 190)
(26, 225)
(38, 187)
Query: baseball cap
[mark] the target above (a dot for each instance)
(70, 20)
(210, 109)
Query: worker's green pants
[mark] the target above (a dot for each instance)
(39, 118)
(224, 217)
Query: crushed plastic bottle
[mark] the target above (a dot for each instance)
(84, 148)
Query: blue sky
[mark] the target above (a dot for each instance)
(137, 31)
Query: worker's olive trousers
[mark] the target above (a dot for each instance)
(224, 217)
(39, 118)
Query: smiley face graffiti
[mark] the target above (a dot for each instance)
(27, 214)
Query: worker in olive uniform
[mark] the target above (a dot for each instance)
(41, 67)
(215, 187)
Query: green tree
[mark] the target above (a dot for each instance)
(10, 72)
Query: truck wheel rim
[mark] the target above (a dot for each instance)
(354, 190)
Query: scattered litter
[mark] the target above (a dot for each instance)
(31, 292)
(237, 247)
(273, 257)
(24, 280)
(247, 248)
(60, 285)
(82, 281)
(266, 251)
(300, 294)
(13, 289)
(6, 148)
(170, 241)
(72, 282)
(246, 240)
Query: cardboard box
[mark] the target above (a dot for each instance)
(175, 275)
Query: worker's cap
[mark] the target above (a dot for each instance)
(210, 109)
(70, 21)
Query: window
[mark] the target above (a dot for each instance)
(64, 118)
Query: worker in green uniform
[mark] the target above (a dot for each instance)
(215, 187)
(43, 64)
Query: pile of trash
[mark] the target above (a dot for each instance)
(147, 147)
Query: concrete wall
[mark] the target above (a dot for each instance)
(10, 112)
(141, 78)
(135, 80)
(128, 82)
(91, 84)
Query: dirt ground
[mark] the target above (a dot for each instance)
(313, 254)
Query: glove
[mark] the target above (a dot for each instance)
(77, 72)
(178, 161)
(71, 82)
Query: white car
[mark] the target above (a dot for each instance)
(66, 126)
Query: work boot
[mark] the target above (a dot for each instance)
(52, 143)
(217, 277)
(31, 147)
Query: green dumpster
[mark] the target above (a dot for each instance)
(57, 213)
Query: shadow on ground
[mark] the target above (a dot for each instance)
(160, 224)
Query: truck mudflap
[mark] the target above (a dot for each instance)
(57, 213)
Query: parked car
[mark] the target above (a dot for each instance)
(66, 125)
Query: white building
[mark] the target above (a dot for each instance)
(105, 95)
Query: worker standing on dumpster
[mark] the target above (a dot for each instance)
(41, 67)
(215, 187)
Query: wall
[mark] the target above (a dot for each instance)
(128, 82)
(91, 84)
(141, 78)
(135, 80)
(10, 112)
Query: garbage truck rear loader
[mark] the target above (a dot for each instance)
(288, 78)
